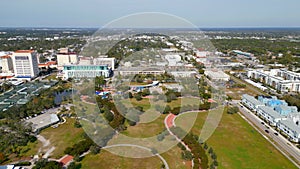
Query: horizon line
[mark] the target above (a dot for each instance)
(208, 27)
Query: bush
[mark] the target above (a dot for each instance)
(138, 97)
(23, 163)
(232, 110)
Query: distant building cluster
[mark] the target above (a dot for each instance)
(281, 80)
(276, 113)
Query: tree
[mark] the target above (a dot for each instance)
(2, 158)
(45, 164)
(186, 155)
(74, 165)
(167, 109)
(130, 95)
(108, 115)
(94, 149)
(232, 110)
(138, 97)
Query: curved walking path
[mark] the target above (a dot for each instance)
(169, 122)
(141, 147)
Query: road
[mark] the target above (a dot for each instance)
(282, 144)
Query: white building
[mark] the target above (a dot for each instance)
(174, 60)
(42, 121)
(66, 58)
(280, 79)
(86, 71)
(105, 61)
(270, 115)
(7, 64)
(217, 75)
(251, 102)
(25, 64)
(85, 61)
(291, 129)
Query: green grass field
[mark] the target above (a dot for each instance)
(238, 145)
(174, 160)
(62, 137)
(153, 128)
(107, 160)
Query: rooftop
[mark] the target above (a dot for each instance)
(270, 111)
(24, 51)
(252, 99)
(291, 125)
(42, 121)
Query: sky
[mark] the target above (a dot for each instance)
(202, 13)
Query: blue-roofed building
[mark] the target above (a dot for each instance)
(286, 110)
(270, 115)
(274, 102)
(266, 99)
(271, 101)
(251, 102)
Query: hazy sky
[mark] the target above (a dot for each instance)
(203, 13)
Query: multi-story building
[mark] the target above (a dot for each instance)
(85, 61)
(285, 118)
(290, 129)
(280, 79)
(270, 115)
(88, 71)
(7, 64)
(65, 57)
(25, 64)
(105, 61)
(251, 102)
(286, 110)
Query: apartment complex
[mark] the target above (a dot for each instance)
(280, 79)
(277, 113)
(25, 64)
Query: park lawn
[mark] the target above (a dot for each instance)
(179, 102)
(174, 160)
(108, 160)
(239, 145)
(63, 136)
(30, 149)
(145, 103)
(184, 120)
(153, 128)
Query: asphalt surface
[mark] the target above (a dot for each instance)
(281, 143)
